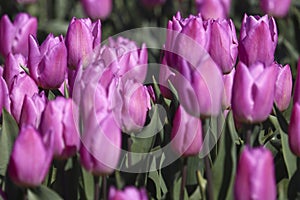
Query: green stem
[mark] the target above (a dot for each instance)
(96, 188)
(183, 180)
(209, 186)
(104, 187)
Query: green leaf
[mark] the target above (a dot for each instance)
(283, 189)
(226, 159)
(42, 192)
(194, 164)
(66, 91)
(9, 133)
(88, 184)
(51, 95)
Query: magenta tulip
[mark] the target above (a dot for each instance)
(277, 8)
(12, 67)
(284, 86)
(96, 9)
(30, 158)
(258, 40)
(32, 109)
(4, 96)
(186, 133)
(223, 44)
(253, 92)
(59, 119)
(255, 177)
(129, 192)
(294, 130)
(213, 9)
(82, 37)
(48, 63)
(227, 94)
(22, 85)
(14, 36)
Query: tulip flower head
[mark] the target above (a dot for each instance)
(129, 192)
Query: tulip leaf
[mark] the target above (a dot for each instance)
(226, 159)
(283, 189)
(194, 164)
(9, 133)
(88, 184)
(42, 192)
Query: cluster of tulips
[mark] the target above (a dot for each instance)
(74, 96)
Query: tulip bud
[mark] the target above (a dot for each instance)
(14, 36)
(59, 120)
(228, 84)
(129, 192)
(12, 67)
(4, 96)
(96, 9)
(294, 130)
(277, 8)
(186, 133)
(82, 37)
(22, 85)
(284, 86)
(213, 9)
(152, 3)
(253, 92)
(131, 101)
(125, 58)
(101, 137)
(165, 74)
(258, 40)
(32, 109)
(255, 177)
(30, 158)
(224, 45)
(48, 63)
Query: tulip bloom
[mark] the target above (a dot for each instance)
(277, 8)
(96, 9)
(223, 44)
(22, 85)
(258, 40)
(12, 67)
(14, 36)
(253, 92)
(47, 63)
(186, 133)
(30, 158)
(129, 192)
(4, 96)
(255, 177)
(197, 79)
(132, 101)
(82, 37)
(32, 109)
(228, 84)
(213, 8)
(59, 120)
(284, 86)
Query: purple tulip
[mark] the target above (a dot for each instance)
(186, 133)
(125, 58)
(152, 3)
(14, 36)
(59, 119)
(82, 37)
(129, 192)
(224, 45)
(197, 79)
(165, 74)
(32, 109)
(30, 158)
(131, 101)
(284, 86)
(48, 63)
(101, 137)
(12, 67)
(96, 9)
(255, 177)
(22, 85)
(213, 9)
(258, 40)
(228, 84)
(277, 8)
(4, 96)
(253, 92)
(294, 130)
